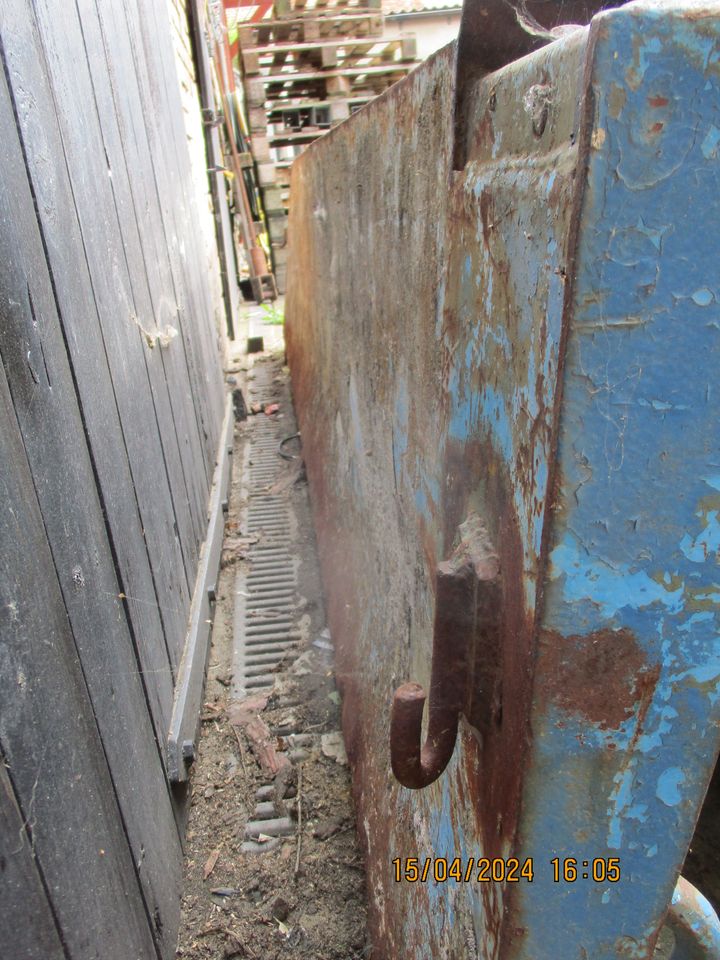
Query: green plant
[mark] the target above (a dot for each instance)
(272, 313)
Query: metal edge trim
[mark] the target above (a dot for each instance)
(191, 674)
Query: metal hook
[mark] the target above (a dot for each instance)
(416, 765)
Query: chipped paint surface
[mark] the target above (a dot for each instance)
(532, 339)
(634, 546)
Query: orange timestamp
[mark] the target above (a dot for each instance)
(480, 870)
(502, 870)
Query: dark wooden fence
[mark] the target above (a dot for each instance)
(111, 405)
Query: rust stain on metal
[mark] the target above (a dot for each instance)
(466, 606)
(599, 676)
(385, 519)
(504, 666)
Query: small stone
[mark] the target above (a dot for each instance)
(280, 909)
(224, 892)
(233, 950)
(328, 828)
(209, 792)
(230, 765)
(333, 747)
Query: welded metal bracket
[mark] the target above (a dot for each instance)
(465, 643)
(494, 33)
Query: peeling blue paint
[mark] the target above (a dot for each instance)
(610, 588)
(400, 427)
(711, 142)
(703, 297)
(652, 46)
(662, 405)
(703, 617)
(698, 548)
(621, 800)
(421, 503)
(668, 786)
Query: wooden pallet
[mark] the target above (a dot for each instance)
(307, 29)
(327, 54)
(305, 71)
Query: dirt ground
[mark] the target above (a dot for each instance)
(302, 895)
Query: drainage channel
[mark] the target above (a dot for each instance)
(273, 866)
(267, 607)
(266, 593)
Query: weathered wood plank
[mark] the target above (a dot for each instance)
(27, 926)
(139, 222)
(63, 244)
(33, 354)
(149, 30)
(197, 198)
(81, 196)
(49, 738)
(183, 258)
(118, 308)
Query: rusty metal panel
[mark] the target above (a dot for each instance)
(527, 344)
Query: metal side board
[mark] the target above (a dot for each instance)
(525, 345)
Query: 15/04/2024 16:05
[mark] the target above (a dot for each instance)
(498, 870)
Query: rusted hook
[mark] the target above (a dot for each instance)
(458, 581)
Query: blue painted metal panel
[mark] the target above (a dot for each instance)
(629, 651)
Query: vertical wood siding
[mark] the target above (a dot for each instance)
(111, 402)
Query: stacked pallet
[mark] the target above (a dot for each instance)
(304, 71)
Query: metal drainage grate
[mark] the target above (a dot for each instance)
(266, 829)
(266, 607)
(265, 594)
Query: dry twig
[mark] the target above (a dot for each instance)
(299, 819)
(241, 748)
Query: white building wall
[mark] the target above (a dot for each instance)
(432, 29)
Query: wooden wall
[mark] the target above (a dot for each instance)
(111, 403)
(187, 44)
